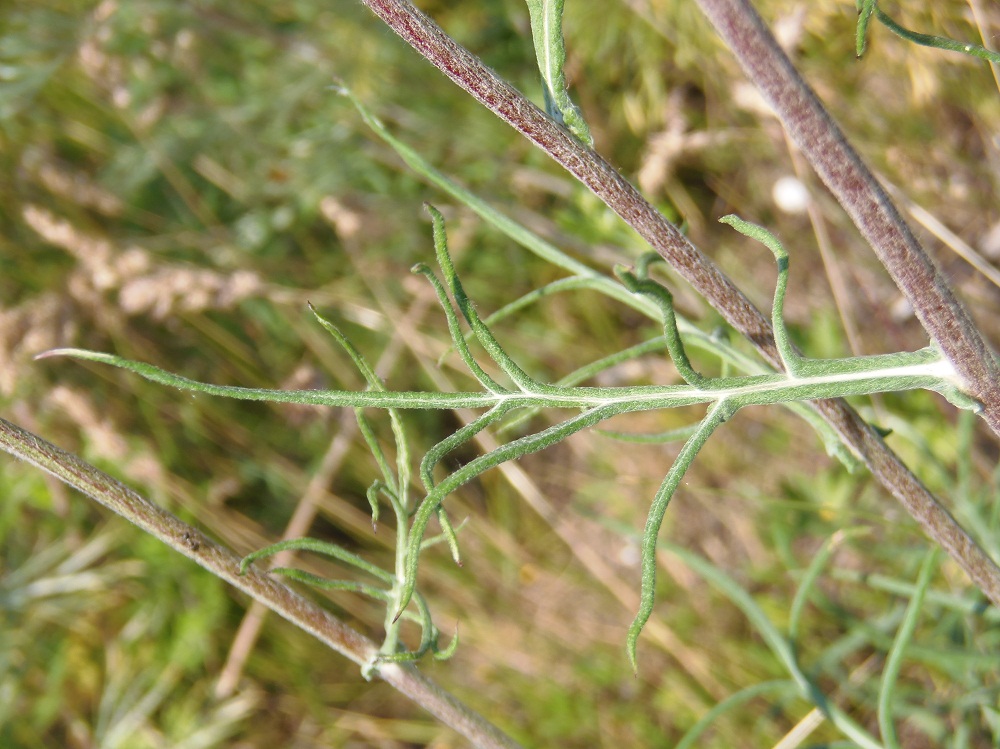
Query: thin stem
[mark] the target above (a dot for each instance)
(465, 69)
(222, 563)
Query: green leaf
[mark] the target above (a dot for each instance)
(716, 416)
(894, 661)
(665, 301)
(547, 251)
(319, 547)
(867, 7)
(550, 49)
(775, 641)
(789, 357)
(806, 379)
(671, 435)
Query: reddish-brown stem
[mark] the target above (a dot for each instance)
(865, 200)
(591, 169)
(224, 564)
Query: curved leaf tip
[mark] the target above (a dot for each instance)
(76, 353)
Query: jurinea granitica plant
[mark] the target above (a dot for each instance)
(803, 380)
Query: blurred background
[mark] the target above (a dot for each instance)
(180, 178)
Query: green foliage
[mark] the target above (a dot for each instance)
(220, 160)
(60, 660)
(550, 49)
(868, 7)
(803, 380)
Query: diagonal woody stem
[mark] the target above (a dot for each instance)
(865, 200)
(224, 564)
(465, 69)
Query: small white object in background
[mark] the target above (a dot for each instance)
(990, 243)
(790, 195)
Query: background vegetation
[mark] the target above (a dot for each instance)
(180, 179)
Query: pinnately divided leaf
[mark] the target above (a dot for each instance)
(803, 380)
(709, 342)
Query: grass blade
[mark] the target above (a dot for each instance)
(894, 661)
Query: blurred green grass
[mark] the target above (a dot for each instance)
(180, 179)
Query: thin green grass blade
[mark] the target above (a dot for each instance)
(671, 435)
(894, 661)
(813, 571)
(778, 644)
(973, 605)
(587, 371)
(524, 237)
(780, 687)
(572, 283)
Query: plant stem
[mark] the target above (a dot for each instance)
(582, 162)
(589, 167)
(865, 200)
(224, 564)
